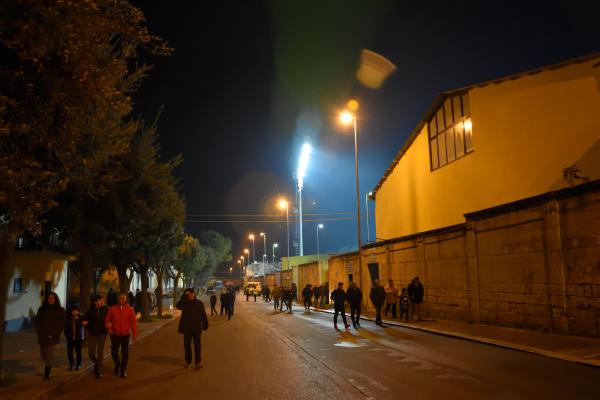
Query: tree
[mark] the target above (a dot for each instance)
(65, 85)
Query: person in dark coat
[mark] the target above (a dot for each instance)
(416, 292)
(339, 298)
(49, 323)
(137, 305)
(213, 304)
(316, 294)
(74, 335)
(131, 299)
(223, 302)
(228, 299)
(191, 324)
(93, 321)
(354, 296)
(404, 304)
(377, 296)
(307, 297)
(111, 297)
(267, 294)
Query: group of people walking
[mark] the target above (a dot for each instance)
(99, 321)
(408, 301)
(227, 300)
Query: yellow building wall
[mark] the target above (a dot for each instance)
(525, 131)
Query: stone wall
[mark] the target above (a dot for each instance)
(531, 264)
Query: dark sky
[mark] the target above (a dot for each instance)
(246, 77)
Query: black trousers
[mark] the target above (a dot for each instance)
(378, 315)
(188, 337)
(121, 342)
(223, 308)
(74, 345)
(387, 308)
(213, 309)
(307, 302)
(229, 311)
(355, 313)
(339, 308)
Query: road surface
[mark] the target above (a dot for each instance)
(260, 354)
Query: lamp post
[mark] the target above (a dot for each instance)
(348, 118)
(284, 204)
(319, 226)
(275, 245)
(251, 237)
(247, 252)
(367, 196)
(302, 165)
(264, 258)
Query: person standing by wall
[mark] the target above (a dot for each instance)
(377, 296)
(276, 295)
(120, 323)
(307, 297)
(416, 292)
(49, 323)
(93, 320)
(354, 296)
(404, 304)
(191, 324)
(339, 298)
(74, 335)
(391, 298)
(316, 294)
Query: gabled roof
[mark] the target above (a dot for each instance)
(439, 99)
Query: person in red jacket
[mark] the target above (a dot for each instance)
(120, 323)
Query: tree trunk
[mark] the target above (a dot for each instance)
(7, 248)
(85, 275)
(159, 292)
(145, 284)
(124, 280)
(175, 284)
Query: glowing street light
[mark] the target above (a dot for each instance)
(367, 197)
(302, 166)
(348, 118)
(247, 252)
(241, 266)
(319, 226)
(264, 258)
(283, 204)
(275, 245)
(251, 237)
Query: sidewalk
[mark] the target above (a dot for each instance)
(21, 357)
(576, 349)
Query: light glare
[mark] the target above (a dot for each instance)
(346, 117)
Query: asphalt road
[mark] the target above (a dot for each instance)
(260, 354)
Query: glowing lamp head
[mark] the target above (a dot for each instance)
(246, 251)
(283, 204)
(275, 245)
(468, 124)
(320, 226)
(346, 118)
(251, 236)
(303, 163)
(262, 234)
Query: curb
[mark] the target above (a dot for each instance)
(487, 341)
(74, 377)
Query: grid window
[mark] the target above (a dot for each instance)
(450, 131)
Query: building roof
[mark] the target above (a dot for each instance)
(439, 99)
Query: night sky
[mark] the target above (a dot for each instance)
(250, 81)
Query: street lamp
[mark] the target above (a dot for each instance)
(247, 252)
(367, 196)
(302, 165)
(284, 204)
(241, 265)
(251, 237)
(319, 226)
(275, 245)
(264, 235)
(347, 118)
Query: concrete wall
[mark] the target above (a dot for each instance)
(35, 268)
(533, 264)
(525, 131)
